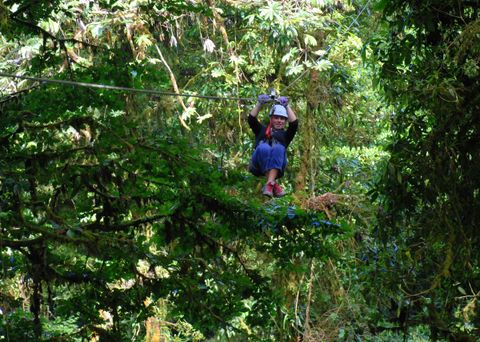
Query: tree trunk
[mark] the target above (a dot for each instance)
(308, 130)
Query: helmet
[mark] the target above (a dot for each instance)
(279, 110)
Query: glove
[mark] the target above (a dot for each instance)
(283, 100)
(262, 99)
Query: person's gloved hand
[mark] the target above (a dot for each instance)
(262, 99)
(283, 100)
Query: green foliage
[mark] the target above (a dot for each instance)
(115, 214)
(430, 187)
(98, 197)
(17, 325)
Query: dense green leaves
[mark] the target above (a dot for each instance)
(431, 183)
(93, 202)
(119, 220)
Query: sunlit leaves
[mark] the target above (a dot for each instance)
(320, 53)
(238, 60)
(272, 12)
(318, 2)
(30, 50)
(188, 113)
(51, 26)
(217, 72)
(204, 117)
(472, 67)
(291, 54)
(114, 172)
(144, 41)
(322, 65)
(96, 29)
(310, 40)
(208, 45)
(294, 69)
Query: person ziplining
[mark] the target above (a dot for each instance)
(269, 158)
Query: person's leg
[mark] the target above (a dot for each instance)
(272, 188)
(260, 158)
(269, 160)
(259, 165)
(271, 175)
(278, 160)
(269, 185)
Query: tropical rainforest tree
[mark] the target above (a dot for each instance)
(117, 207)
(427, 55)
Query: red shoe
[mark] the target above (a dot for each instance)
(278, 191)
(268, 189)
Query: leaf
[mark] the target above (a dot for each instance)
(96, 30)
(237, 60)
(251, 19)
(53, 26)
(294, 69)
(310, 40)
(154, 60)
(208, 46)
(117, 113)
(380, 5)
(323, 65)
(188, 113)
(173, 41)
(217, 72)
(267, 13)
(293, 51)
(200, 119)
(230, 79)
(320, 52)
(144, 40)
(31, 145)
(271, 11)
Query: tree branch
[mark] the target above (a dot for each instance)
(49, 35)
(85, 119)
(12, 96)
(125, 225)
(16, 244)
(306, 326)
(175, 86)
(49, 154)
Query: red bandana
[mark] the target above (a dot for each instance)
(268, 132)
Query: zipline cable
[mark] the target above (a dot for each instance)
(328, 49)
(124, 89)
(164, 93)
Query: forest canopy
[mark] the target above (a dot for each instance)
(127, 211)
